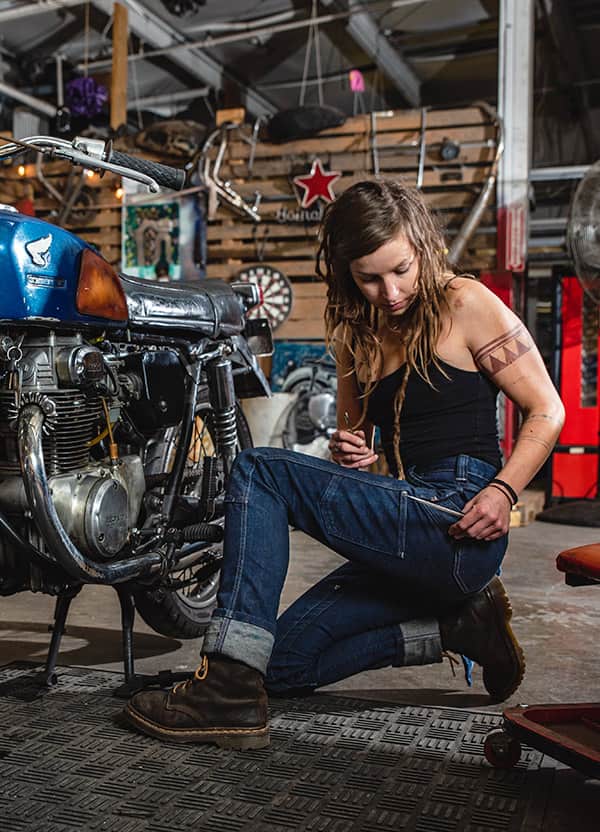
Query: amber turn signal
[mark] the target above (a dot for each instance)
(99, 291)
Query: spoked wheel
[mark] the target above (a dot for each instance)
(185, 611)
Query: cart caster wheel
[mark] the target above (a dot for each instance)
(501, 750)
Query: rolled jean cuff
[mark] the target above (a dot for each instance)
(421, 641)
(242, 642)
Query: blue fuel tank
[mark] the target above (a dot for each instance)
(39, 270)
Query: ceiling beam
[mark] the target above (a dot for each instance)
(366, 33)
(22, 10)
(29, 100)
(157, 33)
(418, 43)
(47, 43)
(273, 53)
(568, 48)
(162, 62)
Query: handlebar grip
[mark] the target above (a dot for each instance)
(165, 175)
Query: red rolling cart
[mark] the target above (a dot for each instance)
(568, 733)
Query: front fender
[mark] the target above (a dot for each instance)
(248, 378)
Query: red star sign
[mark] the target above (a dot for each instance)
(317, 185)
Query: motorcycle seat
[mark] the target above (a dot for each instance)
(206, 308)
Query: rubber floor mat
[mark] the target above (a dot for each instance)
(335, 764)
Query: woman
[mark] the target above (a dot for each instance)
(421, 353)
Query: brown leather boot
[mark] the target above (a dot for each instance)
(480, 629)
(225, 703)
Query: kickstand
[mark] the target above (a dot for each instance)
(61, 610)
(135, 682)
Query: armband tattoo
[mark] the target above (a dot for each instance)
(504, 350)
(543, 416)
(542, 442)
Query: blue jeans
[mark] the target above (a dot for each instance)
(381, 608)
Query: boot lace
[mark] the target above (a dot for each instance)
(452, 659)
(456, 660)
(199, 676)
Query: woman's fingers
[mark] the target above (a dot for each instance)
(350, 450)
(485, 517)
(344, 443)
(363, 462)
(350, 458)
(480, 522)
(482, 528)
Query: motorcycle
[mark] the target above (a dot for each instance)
(120, 418)
(311, 419)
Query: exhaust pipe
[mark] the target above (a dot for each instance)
(67, 555)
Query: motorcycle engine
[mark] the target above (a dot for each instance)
(97, 502)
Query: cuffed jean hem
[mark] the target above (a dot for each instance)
(422, 641)
(242, 642)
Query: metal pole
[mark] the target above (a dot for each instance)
(515, 93)
(34, 103)
(168, 98)
(553, 174)
(59, 80)
(208, 42)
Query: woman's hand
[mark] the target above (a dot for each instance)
(487, 516)
(349, 449)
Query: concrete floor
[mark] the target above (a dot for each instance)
(558, 626)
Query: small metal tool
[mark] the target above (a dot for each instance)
(431, 504)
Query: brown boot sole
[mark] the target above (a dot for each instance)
(503, 611)
(237, 738)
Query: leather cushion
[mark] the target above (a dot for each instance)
(581, 560)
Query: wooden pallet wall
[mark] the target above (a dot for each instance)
(101, 226)
(355, 150)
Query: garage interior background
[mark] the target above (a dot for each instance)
(432, 90)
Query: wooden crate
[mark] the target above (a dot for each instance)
(531, 503)
(353, 149)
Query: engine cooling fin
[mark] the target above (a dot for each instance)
(76, 421)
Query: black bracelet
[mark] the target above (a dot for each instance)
(509, 488)
(502, 491)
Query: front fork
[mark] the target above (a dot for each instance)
(221, 393)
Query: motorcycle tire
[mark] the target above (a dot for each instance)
(185, 613)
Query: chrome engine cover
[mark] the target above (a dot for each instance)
(100, 504)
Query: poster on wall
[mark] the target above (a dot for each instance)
(163, 239)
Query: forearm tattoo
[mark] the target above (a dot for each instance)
(545, 416)
(542, 419)
(504, 350)
(547, 445)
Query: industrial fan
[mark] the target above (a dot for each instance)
(583, 241)
(583, 232)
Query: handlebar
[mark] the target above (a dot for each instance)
(165, 175)
(95, 154)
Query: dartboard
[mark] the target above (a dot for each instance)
(276, 291)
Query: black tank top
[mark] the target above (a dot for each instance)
(457, 417)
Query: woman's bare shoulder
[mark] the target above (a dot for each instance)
(467, 296)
